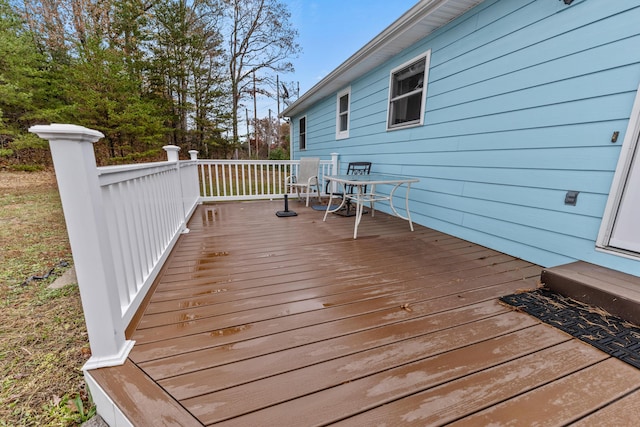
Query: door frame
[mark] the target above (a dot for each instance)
(623, 170)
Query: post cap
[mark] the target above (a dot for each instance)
(59, 131)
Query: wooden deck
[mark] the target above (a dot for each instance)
(264, 321)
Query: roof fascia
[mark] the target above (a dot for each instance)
(359, 63)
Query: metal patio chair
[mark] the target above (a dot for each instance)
(353, 168)
(307, 177)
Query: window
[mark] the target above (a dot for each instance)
(302, 123)
(408, 92)
(342, 113)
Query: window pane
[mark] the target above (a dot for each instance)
(344, 118)
(344, 103)
(406, 109)
(303, 133)
(409, 79)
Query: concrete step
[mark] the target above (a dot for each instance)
(616, 292)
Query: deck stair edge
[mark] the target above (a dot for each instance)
(614, 291)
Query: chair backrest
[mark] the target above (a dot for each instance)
(308, 169)
(355, 168)
(359, 168)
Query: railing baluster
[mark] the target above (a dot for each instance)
(217, 180)
(244, 189)
(132, 244)
(269, 190)
(249, 168)
(162, 213)
(115, 222)
(140, 235)
(237, 189)
(145, 228)
(150, 216)
(224, 179)
(254, 187)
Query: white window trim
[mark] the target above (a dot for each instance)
(427, 56)
(345, 133)
(306, 133)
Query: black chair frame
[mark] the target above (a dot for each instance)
(353, 168)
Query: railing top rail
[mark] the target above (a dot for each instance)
(104, 170)
(113, 174)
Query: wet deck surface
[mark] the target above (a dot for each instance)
(265, 321)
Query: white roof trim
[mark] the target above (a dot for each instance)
(417, 23)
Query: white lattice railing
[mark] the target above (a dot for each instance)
(251, 179)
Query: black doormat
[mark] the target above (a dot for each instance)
(592, 325)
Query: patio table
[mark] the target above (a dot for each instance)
(360, 196)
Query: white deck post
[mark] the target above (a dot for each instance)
(193, 154)
(172, 152)
(77, 175)
(335, 168)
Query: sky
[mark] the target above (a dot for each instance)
(329, 32)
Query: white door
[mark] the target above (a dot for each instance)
(626, 227)
(620, 228)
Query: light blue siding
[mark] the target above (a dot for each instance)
(522, 100)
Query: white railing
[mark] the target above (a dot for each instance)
(146, 207)
(122, 223)
(252, 179)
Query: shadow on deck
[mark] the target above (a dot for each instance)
(260, 320)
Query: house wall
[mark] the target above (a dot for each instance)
(522, 100)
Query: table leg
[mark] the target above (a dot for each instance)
(406, 204)
(372, 204)
(329, 210)
(359, 209)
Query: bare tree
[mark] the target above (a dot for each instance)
(65, 25)
(261, 40)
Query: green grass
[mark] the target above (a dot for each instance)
(44, 340)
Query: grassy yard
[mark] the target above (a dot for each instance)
(43, 338)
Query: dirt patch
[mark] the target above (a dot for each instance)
(11, 181)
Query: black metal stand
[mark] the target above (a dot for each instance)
(286, 211)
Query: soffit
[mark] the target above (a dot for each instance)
(417, 23)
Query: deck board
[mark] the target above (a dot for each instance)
(316, 340)
(485, 388)
(565, 400)
(259, 320)
(215, 406)
(281, 361)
